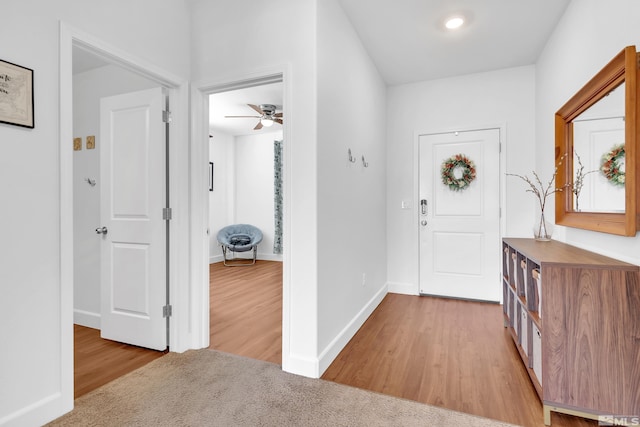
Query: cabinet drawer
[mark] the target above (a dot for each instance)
(524, 329)
(514, 269)
(511, 308)
(536, 352)
(523, 273)
(537, 277)
(517, 315)
(505, 298)
(505, 262)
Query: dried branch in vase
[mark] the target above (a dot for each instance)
(541, 191)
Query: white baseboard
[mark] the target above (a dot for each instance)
(86, 318)
(403, 288)
(39, 413)
(215, 258)
(270, 257)
(339, 342)
(298, 365)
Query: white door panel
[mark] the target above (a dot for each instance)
(598, 137)
(465, 246)
(459, 232)
(133, 252)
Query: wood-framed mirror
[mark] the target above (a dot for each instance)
(596, 137)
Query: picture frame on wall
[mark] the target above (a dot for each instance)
(210, 176)
(16, 95)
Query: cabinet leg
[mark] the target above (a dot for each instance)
(547, 414)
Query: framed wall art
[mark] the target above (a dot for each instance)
(16, 95)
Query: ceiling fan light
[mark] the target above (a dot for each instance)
(266, 122)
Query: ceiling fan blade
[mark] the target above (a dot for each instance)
(277, 115)
(258, 126)
(241, 117)
(278, 120)
(255, 107)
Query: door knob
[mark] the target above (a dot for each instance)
(101, 230)
(423, 222)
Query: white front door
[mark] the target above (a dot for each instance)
(460, 229)
(592, 141)
(134, 241)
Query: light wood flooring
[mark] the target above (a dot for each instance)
(448, 353)
(97, 361)
(246, 319)
(246, 310)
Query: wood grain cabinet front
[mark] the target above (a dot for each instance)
(583, 356)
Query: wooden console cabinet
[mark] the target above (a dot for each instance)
(575, 318)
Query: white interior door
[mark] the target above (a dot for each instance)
(460, 230)
(133, 248)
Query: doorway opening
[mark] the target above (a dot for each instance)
(95, 77)
(246, 169)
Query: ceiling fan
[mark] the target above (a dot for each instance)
(267, 115)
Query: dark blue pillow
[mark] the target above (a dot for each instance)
(239, 239)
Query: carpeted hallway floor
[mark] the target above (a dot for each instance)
(210, 388)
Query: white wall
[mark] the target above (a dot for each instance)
(254, 186)
(504, 97)
(326, 72)
(351, 198)
(243, 189)
(33, 389)
(88, 88)
(226, 47)
(587, 37)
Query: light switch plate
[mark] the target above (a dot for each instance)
(77, 144)
(91, 142)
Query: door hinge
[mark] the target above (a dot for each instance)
(166, 116)
(166, 213)
(166, 311)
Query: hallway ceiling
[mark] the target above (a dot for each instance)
(408, 43)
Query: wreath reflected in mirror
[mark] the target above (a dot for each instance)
(612, 165)
(457, 172)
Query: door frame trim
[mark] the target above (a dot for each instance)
(502, 131)
(181, 328)
(200, 92)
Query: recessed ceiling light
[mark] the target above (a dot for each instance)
(454, 22)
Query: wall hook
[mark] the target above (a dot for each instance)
(92, 182)
(364, 162)
(351, 158)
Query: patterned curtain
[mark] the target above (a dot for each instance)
(277, 196)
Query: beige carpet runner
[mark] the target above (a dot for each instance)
(210, 388)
